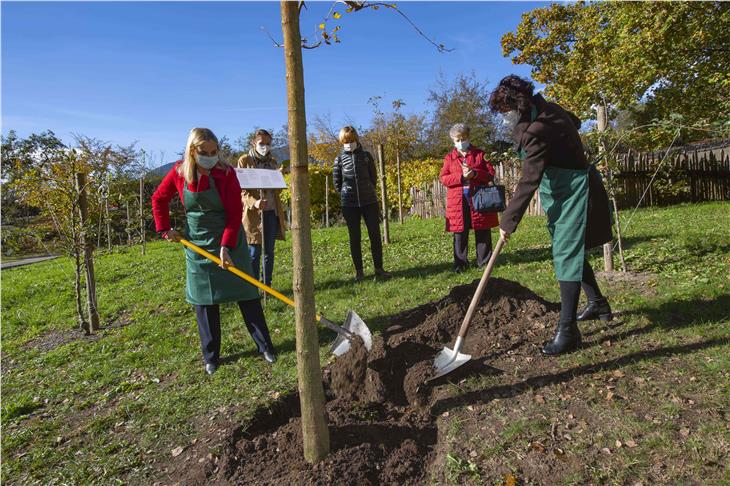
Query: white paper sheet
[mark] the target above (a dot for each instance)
(260, 179)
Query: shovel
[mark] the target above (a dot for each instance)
(448, 360)
(354, 325)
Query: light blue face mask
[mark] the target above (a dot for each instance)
(462, 145)
(207, 162)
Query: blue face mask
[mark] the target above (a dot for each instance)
(207, 162)
(462, 145)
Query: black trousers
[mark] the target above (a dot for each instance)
(570, 292)
(209, 328)
(371, 215)
(483, 240)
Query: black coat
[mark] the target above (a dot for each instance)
(355, 178)
(553, 140)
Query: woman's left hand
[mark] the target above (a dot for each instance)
(225, 258)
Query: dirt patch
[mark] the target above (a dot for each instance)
(642, 282)
(383, 429)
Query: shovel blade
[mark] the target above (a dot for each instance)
(447, 361)
(356, 326)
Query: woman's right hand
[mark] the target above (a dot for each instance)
(173, 236)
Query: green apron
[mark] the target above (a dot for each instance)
(207, 283)
(564, 198)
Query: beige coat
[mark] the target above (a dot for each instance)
(251, 214)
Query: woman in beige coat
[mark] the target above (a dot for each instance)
(262, 209)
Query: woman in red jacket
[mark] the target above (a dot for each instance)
(465, 168)
(210, 192)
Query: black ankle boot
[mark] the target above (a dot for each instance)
(596, 309)
(567, 339)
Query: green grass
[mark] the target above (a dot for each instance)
(105, 409)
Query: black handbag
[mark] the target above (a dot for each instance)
(488, 199)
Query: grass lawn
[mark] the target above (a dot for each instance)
(109, 407)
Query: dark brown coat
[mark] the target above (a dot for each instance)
(553, 140)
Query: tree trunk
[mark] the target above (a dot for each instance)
(88, 247)
(384, 194)
(315, 434)
(108, 223)
(141, 212)
(602, 116)
(83, 325)
(400, 189)
(129, 226)
(326, 201)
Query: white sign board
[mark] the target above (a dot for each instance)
(260, 179)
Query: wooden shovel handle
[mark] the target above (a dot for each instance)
(480, 289)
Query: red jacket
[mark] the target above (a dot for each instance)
(229, 191)
(451, 178)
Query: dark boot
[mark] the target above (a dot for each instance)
(596, 309)
(567, 339)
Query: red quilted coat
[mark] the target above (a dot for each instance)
(451, 178)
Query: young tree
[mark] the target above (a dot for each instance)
(311, 394)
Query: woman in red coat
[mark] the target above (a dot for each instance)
(209, 190)
(465, 169)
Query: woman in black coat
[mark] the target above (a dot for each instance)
(572, 194)
(354, 177)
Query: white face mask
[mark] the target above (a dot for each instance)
(510, 119)
(263, 149)
(350, 147)
(207, 162)
(462, 145)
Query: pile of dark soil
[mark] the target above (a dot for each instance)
(382, 428)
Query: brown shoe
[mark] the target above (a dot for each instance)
(380, 273)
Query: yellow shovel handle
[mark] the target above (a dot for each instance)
(236, 271)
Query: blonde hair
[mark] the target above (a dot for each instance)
(348, 134)
(197, 137)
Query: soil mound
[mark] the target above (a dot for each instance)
(381, 428)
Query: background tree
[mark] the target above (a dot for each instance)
(464, 100)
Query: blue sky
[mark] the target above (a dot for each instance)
(148, 72)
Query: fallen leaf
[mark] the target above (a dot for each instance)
(630, 443)
(537, 446)
(606, 450)
(618, 374)
(684, 431)
(609, 396)
(618, 444)
(473, 454)
(445, 414)
(539, 399)
(177, 451)
(510, 480)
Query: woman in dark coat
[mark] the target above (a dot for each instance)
(354, 177)
(572, 195)
(464, 169)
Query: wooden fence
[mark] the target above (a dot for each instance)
(693, 173)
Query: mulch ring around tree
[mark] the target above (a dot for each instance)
(385, 424)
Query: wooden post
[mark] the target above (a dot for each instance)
(384, 194)
(129, 226)
(141, 212)
(315, 435)
(400, 190)
(88, 253)
(326, 201)
(602, 125)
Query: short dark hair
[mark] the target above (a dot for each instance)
(261, 133)
(512, 93)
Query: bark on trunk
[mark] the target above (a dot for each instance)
(88, 248)
(311, 394)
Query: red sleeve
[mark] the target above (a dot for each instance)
(447, 177)
(484, 170)
(162, 197)
(230, 193)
